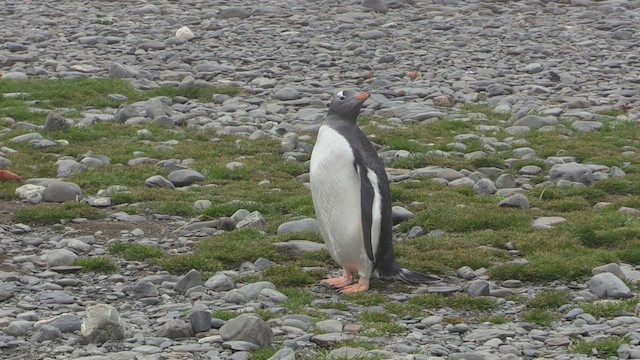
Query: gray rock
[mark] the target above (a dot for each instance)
(191, 279)
(251, 291)
(572, 172)
(303, 225)
(18, 327)
(516, 201)
(61, 192)
(608, 285)
(287, 93)
(234, 12)
(184, 177)
(55, 122)
(68, 168)
(14, 75)
(124, 113)
(271, 296)
(219, 282)
(143, 289)
(121, 71)
(330, 326)
(330, 339)
(535, 121)
(610, 268)
(66, 323)
(61, 257)
(372, 34)
(25, 138)
(484, 187)
(254, 220)
(56, 297)
(46, 332)
(505, 181)
(174, 329)
(547, 222)
(478, 288)
(586, 126)
(248, 328)
(157, 106)
(200, 321)
(300, 247)
(400, 214)
(376, 5)
(235, 297)
(286, 353)
(466, 273)
(102, 323)
(159, 181)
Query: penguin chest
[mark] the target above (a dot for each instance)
(335, 189)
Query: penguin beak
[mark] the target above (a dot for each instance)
(362, 97)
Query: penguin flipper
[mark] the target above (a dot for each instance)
(366, 209)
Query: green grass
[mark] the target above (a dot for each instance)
(97, 264)
(609, 309)
(136, 252)
(291, 275)
(605, 347)
(47, 214)
(540, 317)
(550, 299)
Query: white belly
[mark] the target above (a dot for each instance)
(335, 188)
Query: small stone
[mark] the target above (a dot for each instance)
(516, 201)
(545, 223)
(143, 289)
(330, 326)
(219, 282)
(62, 192)
(400, 214)
(287, 93)
(478, 288)
(303, 225)
(271, 296)
(466, 273)
(174, 329)
(254, 220)
(61, 257)
(192, 279)
(46, 332)
(248, 328)
(121, 71)
(66, 323)
(101, 324)
(200, 321)
(608, 285)
(185, 177)
(184, 33)
(55, 122)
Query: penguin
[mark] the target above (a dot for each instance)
(352, 200)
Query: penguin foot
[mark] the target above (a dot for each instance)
(360, 286)
(338, 282)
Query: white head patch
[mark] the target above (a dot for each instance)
(340, 95)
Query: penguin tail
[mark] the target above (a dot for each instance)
(414, 278)
(407, 276)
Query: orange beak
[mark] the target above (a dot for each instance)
(362, 97)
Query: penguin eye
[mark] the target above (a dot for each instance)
(341, 96)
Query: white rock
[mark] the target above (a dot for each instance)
(184, 33)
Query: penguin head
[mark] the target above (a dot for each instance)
(346, 105)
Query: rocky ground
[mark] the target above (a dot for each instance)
(570, 59)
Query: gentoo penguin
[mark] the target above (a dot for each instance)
(352, 200)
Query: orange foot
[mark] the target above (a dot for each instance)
(338, 282)
(361, 286)
(341, 281)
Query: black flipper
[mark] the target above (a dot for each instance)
(366, 208)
